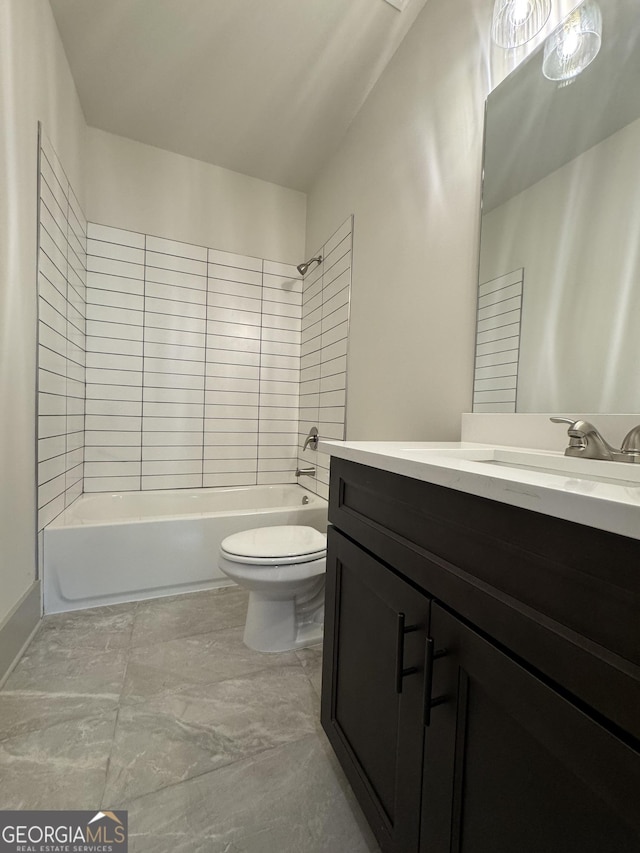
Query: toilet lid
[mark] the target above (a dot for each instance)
(279, 542)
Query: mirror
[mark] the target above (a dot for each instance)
(559, 273)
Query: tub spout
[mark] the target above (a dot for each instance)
(305, 472)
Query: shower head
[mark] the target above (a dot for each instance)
(302, 268)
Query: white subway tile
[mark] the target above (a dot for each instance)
(155, 368)
(57, 257)
(281, 309)
(229, 259)
(280, 426)
(115, 235)
(236, 303)
(163, 453)
(48, 448)
(174, 337)
(109, 423)
(284, 284)
(54, 276)
(278, 268)
(230, 425)
(114, 251)
(335, 318)
(174, 352)
(288, 336)
(51, 382)
(280, 361)
(52, 425)
(170, 439)
(232, 398)
(268, 478)
(111, 314)
(282, 465)
(278, 451)
(114, 361)
(50, 511)
(336, 267)
(235, 274)
(176, 307)
(272, 439)
(227, 451)
(268, 386)
(177, 323)
(175, 381)
(49, 469)
(239, 357)
(117, 283)
(123, 269)
(154, 290)
(282, 400)
(221, 384)
(238, 330)
(115, 299)
(280, 348)
(229, 342)
(121, 331)
(174, 466)
(235, 288)
(176, 263)
(111, 438)
(50, 490)
(283, 297)
(217, 370)
(173, 410)
(172, 481)
(111, 484)
(114, 407)
(112, 346)
(105, 376)
(173, 424)
(228, 412)
(217, 318)
(225, 466)
(176, 279)
(334, 335)
(271, 321)
(337, 301)
(112, 469)
(173, 395)
(216, 480)
(279, 374)
(174, 247)
(112, 454)
(52, 404)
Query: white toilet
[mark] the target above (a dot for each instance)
(283, 567)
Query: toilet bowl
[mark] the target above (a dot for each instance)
(283, 568)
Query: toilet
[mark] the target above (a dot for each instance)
(283, 568)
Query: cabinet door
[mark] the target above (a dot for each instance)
(375, 631)
(512, 765)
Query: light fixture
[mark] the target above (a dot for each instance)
(575, 44)
(516, 22)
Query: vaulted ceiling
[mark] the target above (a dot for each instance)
(264, 87)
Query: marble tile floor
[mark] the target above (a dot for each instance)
(158, 707)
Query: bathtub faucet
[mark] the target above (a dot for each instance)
(305, 472)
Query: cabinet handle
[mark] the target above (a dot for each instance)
(428, 703)
(400, 670)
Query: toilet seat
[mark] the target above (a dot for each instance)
(281, 545)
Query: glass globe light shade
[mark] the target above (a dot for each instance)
(516, 22)
(575, 44)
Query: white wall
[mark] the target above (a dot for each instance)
(409, 170)
(141, 188)
(35, 83)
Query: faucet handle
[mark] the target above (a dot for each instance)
(631, 443)
(563, 421)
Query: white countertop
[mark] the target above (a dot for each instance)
(595, 493)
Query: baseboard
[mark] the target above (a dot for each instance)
(17, 630)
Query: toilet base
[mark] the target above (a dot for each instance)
(279, 625)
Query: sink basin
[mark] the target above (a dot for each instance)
(596, 470)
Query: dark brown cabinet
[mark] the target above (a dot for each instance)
(468, 711)
(376, 631)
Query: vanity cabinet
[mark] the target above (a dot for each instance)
(473, 702)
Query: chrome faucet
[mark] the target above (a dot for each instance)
(586, 442)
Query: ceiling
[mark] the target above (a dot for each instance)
(264, 87)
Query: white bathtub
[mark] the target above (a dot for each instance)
(110, 548)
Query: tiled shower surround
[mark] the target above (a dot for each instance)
(61, 339)
(323, 363)
(195, 367)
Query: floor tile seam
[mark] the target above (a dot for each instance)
(108, 762)
(169, 692)
(185, 636)
(127, 803)
(80, 719)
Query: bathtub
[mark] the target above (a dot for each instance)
(111, 548)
